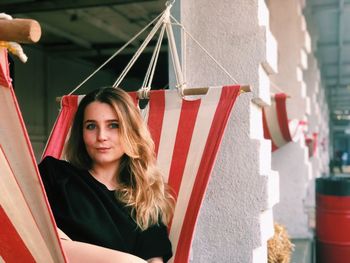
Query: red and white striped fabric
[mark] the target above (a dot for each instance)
(27, 228)
(187, 135)
(277, 127)
(312, 142)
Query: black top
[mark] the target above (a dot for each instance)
(88, 212)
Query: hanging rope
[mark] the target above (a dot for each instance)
(147, 82)
(163, 19)
(206, 51)
(115, 54)
(157, 50)
(141, 48)
(274, 86)
(175, 57)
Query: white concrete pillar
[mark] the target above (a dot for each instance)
(291, 160)
(235, 220)
(314, 118)
(319, 101)
(324, 131)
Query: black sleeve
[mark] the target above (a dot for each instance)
(48, 172)
(154, 242)
(46, 169)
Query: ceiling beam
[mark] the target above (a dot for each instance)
(339, 101)
(332, 44)
(340, 104)
(344, 64)
(341, 108)
(104, 26)
(343, 95)
(45, 6)
(339, 128)
(336, 87)
(339, 92)
(317, 8)
(334, 77)
(59, 32)
(340, 37)
(98, 52)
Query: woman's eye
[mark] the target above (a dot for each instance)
(114, 125)
(90, 126)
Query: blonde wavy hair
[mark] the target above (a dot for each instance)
(140, 183)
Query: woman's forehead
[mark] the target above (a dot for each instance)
(100, 110)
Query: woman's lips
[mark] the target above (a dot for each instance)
(102, 149)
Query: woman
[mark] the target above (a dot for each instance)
(110, 193)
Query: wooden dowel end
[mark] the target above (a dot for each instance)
(245, 88)
(20, 30)
(204, 90)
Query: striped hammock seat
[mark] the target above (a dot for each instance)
(27, 227)
(311, 142)
(277, 127)
(187, 135)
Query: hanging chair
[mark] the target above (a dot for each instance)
(311, 142)
(187, 135)
(187, 132)
(27, 227)
(277, 127)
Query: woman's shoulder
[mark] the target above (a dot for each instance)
(50, 163)
(49, 160)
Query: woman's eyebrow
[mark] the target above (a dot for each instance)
(110, 120)
(89, 121)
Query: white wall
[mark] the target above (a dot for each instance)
(235, 220)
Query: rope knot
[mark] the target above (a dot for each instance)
(143, 92)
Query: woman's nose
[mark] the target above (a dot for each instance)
(102, 134)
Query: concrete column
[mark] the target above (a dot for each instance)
(291, 160)
(319, 100)
(314, 119)
(324, 131)
(235, 220)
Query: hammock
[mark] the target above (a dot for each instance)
(312, 142)
(187, 135)
(187, 132)
(27, 227)
(277, 127)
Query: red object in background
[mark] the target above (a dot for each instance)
(333, 220)
(311, 143)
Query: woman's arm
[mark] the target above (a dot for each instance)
(77, 252)
(155, 260)
(62, 235)
(84, 252)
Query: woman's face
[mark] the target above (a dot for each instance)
(101, 134)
